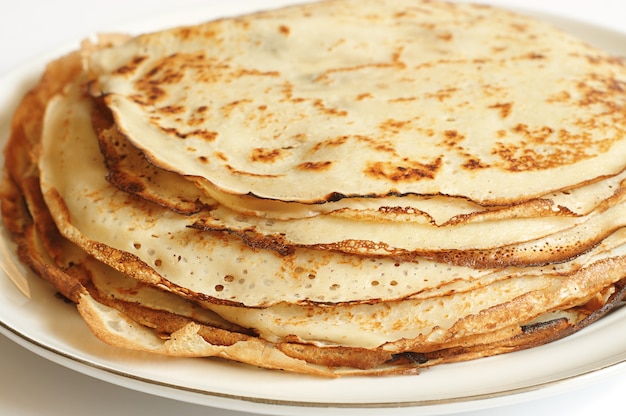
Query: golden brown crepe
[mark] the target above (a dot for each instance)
(304, 107)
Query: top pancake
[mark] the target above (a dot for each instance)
(286, 105)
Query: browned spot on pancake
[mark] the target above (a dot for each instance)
(600, 90)
(323, 108)
(330, 142)
(474, 164)
(206, 135)
(543, 148)
(504, 108)
(197, 67)
(602, 59)
(189, 32)
(197, 117)
(519, 27)
(266, 155)
(171, 109)
(150, 94)
(535, 56)
(228, 109)
(317, 166)
(442, 94)
(402, 99)
(452, 139)
(409, 171)
(394, 126)
(284, 30)
(445, 36)
(131, 66)
(561, 97)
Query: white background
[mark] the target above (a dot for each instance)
(31, 385)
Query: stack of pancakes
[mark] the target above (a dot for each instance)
(343, 187)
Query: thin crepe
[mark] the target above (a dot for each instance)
(261, 104)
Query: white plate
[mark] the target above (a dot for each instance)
(51, 328)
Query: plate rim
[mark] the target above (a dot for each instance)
(40, 348)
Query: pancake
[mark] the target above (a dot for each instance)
(275, 104)
(130, 170)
